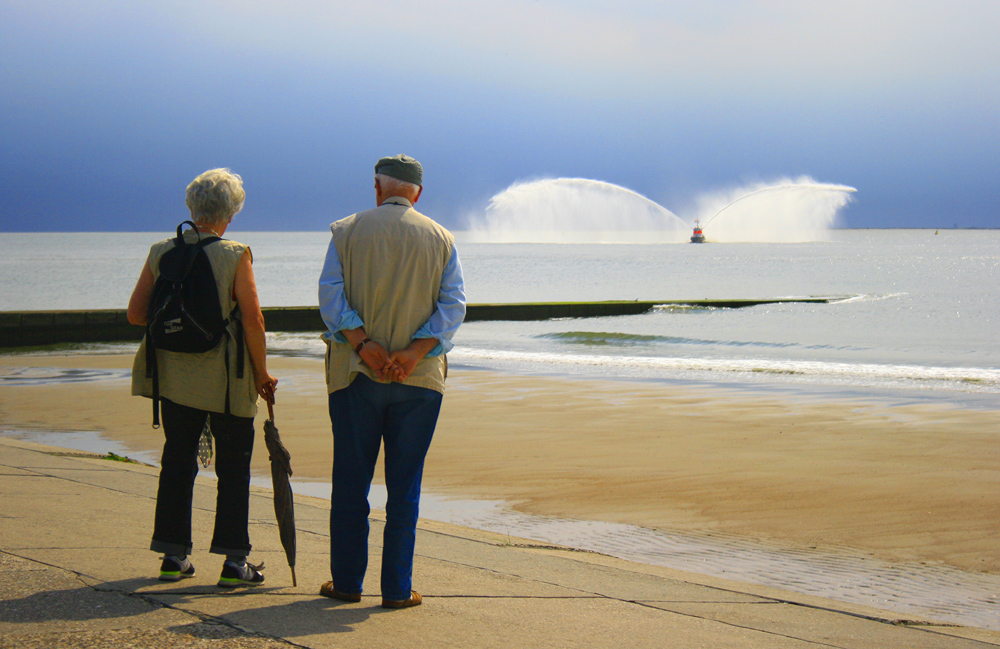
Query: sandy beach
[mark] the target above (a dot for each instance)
(901, 483)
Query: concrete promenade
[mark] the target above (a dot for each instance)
(75, 571)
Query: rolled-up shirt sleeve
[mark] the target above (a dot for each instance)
(450, 312)
(333, 307)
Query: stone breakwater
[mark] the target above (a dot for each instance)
(36, 328)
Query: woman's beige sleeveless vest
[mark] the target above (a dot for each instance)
(199, 380)
(393, 259)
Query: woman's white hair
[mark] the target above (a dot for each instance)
(215, 196)
(391, 185)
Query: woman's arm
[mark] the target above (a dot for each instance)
(138, 304)
(245, 292)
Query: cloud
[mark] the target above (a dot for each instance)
(558, 47)
(570, 46)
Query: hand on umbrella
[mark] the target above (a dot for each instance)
(266, 389)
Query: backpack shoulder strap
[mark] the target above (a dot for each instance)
(190, 252)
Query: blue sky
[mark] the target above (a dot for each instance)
(109, 108)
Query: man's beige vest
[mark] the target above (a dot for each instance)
(393, 259)
(199, 380)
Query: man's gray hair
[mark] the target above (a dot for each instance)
(391, 185)
(215, 196)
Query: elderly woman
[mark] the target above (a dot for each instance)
(196, 388)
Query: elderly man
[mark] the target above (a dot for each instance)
(392, 296)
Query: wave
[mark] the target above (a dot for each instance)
(606, 338)
(969, 379)
(867, 297)
(632, 366)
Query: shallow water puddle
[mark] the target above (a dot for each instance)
(35, 376)
(939, 593)
(87, 441)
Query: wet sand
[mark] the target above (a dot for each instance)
(901, 483)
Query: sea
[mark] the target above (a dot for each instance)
(912, 318)
(913, 314)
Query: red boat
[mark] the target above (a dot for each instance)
(698, 236)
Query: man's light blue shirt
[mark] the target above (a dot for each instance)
(442, 325)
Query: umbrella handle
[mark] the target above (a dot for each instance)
(269, 391)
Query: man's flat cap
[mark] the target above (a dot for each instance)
(401, 167)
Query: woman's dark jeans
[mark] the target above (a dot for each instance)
(233, 435)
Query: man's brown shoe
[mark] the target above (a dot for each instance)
(414, 600)
(327, 590)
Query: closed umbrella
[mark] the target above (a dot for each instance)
(281, 470)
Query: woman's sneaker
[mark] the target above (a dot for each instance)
(174, 568)
(233, 575)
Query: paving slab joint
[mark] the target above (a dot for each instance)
(202, 617)
(95, 584)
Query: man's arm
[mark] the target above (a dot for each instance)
(450, 311)
(343, 322)
(337, 314)
(434, 337)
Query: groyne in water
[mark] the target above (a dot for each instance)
(38, 328)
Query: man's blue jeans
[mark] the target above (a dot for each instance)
(365, 415)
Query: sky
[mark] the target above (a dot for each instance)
(108, 109)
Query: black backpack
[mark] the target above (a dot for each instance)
(184, 314)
